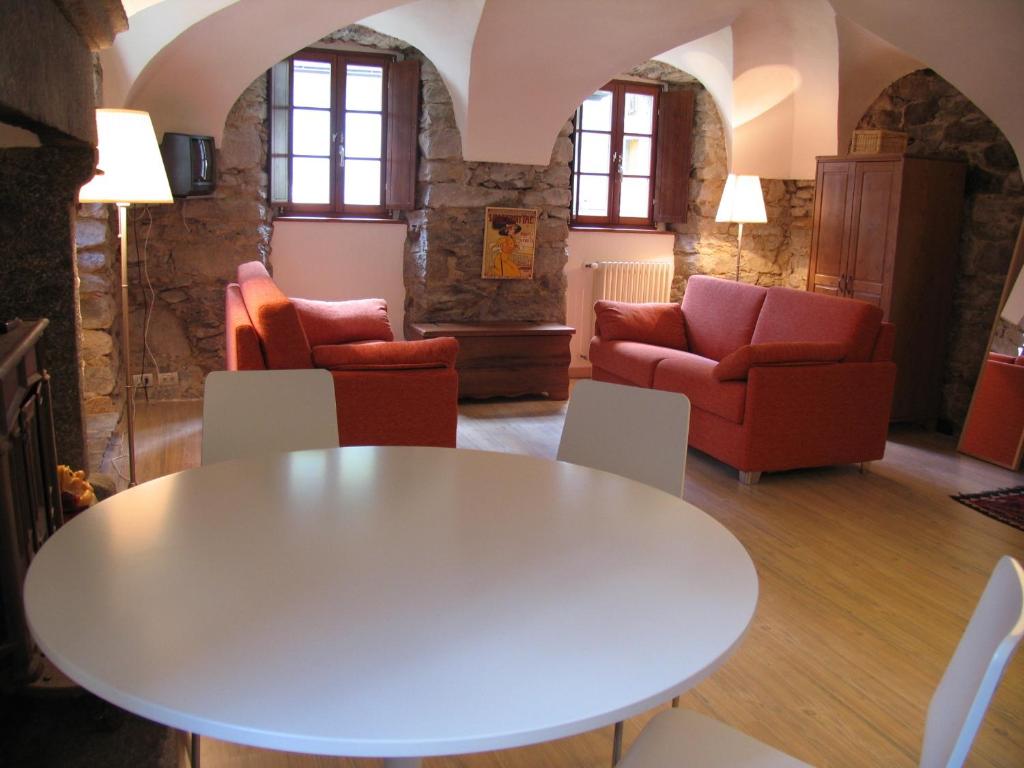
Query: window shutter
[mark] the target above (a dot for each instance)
(675, 137)
(403, 122)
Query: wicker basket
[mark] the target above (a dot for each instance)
(877, 142)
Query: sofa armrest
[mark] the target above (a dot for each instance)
(736, 365)
(387, 355)
(816, 415)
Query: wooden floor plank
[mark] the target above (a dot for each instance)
(867, 580)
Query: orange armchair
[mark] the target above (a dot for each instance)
(387, 392)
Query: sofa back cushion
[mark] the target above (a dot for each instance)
(658, 324)
(242, 344)
(341, 322)
(789, 315)
(720, 315)
(275, 319)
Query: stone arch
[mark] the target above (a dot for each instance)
(942, 122)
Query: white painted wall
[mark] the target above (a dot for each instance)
(333, 260)
(585, 247)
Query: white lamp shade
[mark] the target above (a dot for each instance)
(742, 200)
(130, 169)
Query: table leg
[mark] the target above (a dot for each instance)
(401, 762)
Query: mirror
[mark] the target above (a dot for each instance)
(994, 429)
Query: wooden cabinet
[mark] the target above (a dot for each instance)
(886, 230)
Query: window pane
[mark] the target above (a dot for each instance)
(595, 149)
(362, 182)
(279, 185)
(312, 132)
(279, 75)
(279, 131)
(312, 87)
(638, 115)
(636, 155)
(593, 197)
(596, 112)
(362, 135)
(634, 198)
(364, 87)
(312, 182)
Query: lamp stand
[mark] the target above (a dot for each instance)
(739, 250)
(129, 388)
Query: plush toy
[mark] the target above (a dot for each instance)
(76, 493)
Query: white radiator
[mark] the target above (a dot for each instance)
(635, 281)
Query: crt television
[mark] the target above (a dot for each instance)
(191, 164)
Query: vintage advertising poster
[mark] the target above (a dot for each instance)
(510, 240)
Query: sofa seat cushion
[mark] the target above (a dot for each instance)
(736, 365)
(652, 323)
(720, 315)
(629, 361)
(694, 377)
(387, 355)
(342, 322)
(789, 315)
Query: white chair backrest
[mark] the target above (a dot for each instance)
(634, 432)
(966, 688)
(250, 413)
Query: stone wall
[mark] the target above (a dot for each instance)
(775, 253)
(942, 122)
(99, 299)
(443, 255)
(192, 249)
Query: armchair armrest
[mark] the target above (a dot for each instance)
(387, 355)
(736, 365)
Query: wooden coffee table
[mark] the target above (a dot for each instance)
(506, 358)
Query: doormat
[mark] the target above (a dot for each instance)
(1005, 505)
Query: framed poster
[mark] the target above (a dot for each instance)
(510, 241)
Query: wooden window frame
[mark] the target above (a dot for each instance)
(619, 89)
(335, 208)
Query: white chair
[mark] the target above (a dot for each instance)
(679, 737)
(631, 431)
(250, 413)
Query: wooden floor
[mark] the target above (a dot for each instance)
(867, 581)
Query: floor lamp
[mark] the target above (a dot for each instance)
(742, 203)
(129, 170)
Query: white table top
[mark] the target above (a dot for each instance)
(390, 602)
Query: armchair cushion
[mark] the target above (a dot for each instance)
(736, 365)
(341, 322)
(659, 324)
(389, 355)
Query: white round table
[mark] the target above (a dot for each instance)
(390, 602)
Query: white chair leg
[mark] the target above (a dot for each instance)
(750, 478)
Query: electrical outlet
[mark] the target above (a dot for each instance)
(143, 379)
(168, 379)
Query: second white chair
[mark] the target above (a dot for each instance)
(250, 413)
(631, 431)
(679, 737)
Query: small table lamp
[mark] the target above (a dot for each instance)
(742, 203)
(129, 170)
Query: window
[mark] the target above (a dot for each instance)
(632, 156)
(342, 134)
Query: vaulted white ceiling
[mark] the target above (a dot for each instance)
(791, 77)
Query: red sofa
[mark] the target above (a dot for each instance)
(387, 392)
(777, 379)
